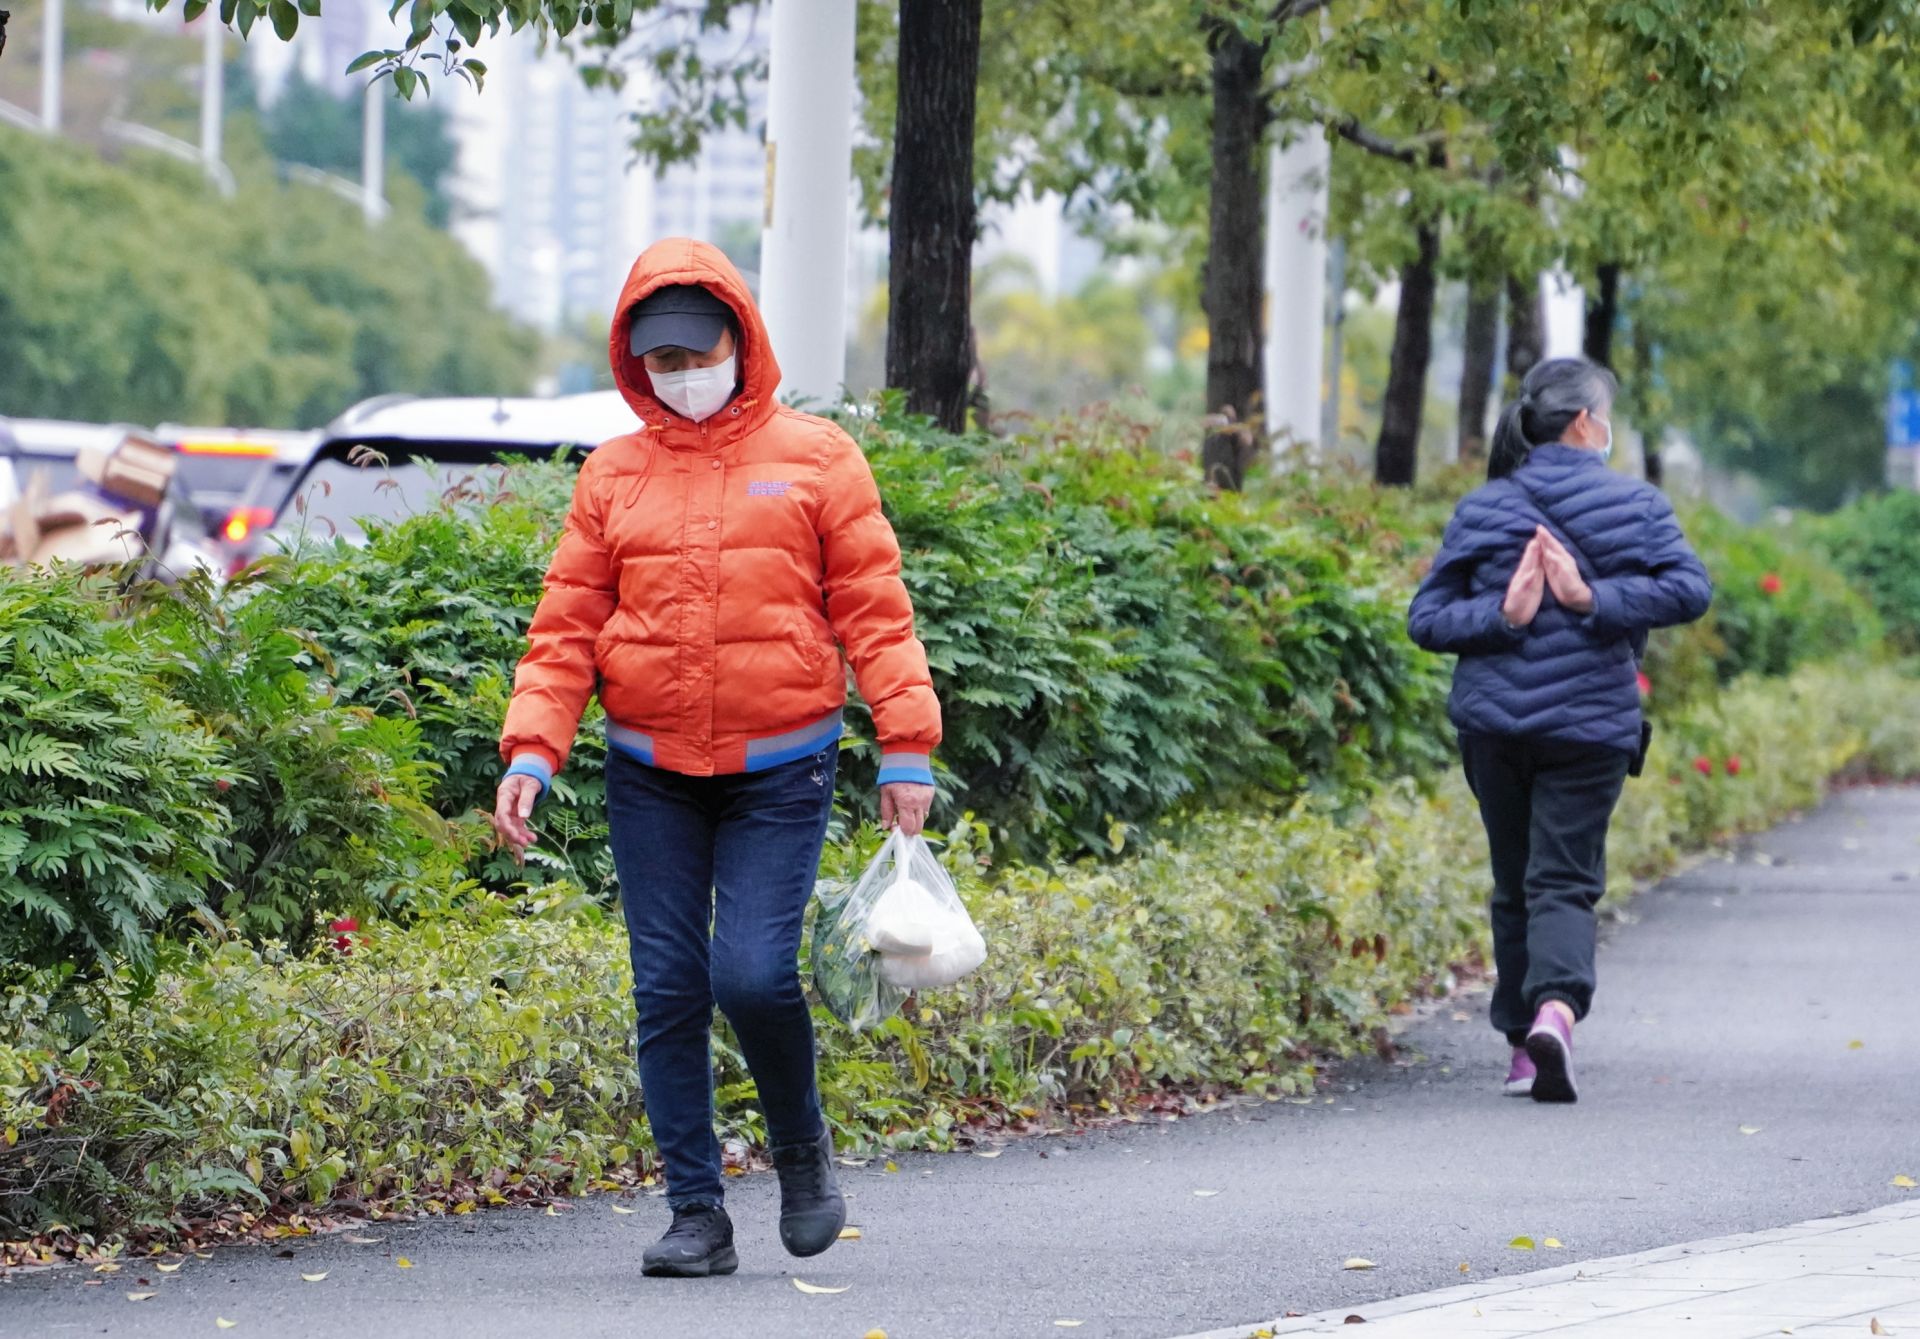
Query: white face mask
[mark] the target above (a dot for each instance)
(1606, 451)
(697, 393)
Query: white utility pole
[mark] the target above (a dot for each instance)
(373, 135)
(213, 90)
(803, 246)
(1336, 346)
(1296, 286)
(52, 53)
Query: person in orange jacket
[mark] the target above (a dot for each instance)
(711, 561)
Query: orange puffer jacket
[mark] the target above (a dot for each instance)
(708, 569)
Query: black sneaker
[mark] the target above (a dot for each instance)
(812, 1210)
(699, 1244)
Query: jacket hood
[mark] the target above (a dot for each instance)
(681, 260)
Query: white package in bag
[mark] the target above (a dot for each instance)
(919, 925)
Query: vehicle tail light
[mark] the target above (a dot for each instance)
(225, 448)
(243, 521)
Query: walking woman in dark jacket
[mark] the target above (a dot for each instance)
(1546, 585)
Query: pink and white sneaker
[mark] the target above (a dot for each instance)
(1520, 1075)
(1550, 1045)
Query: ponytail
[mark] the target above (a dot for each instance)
(1510, 445)
(1552, 395)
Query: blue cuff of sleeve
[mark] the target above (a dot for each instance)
(912, 768)
(1502, 628)
(1595, 620)
(528, 765)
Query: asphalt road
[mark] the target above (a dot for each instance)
(1775, 992)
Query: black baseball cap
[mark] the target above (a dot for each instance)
(684, 316)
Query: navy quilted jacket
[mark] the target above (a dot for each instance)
(1565, 676)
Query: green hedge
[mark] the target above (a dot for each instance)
(1876, 542)
(1778, 603)
(1113, 647)
(441, 1062)
(110, 820)
(1110, 643)
(168, 759)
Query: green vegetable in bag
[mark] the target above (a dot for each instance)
(846, 968)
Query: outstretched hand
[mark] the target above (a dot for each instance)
(512, 806)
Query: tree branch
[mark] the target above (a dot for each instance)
(1372, 141)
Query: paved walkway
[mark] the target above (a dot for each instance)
(1750, 1064)
(1832, 1276)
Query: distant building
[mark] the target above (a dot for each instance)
(550, 199)
(556, 206)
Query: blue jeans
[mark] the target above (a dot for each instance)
(715, 873)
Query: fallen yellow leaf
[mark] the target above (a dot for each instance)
(988, 1152)
(874, 1334)
(1857, 1045)
(314, 1278)
(553, 1211)
(1069, 1324)
(621, 1208)
(170, 1269)
(139, 1297)
(404, 1263)
(1521, 1243)
(224, 1323)
(814, 1289)
(364, 1241)
(1553, 1244)
(1749, 1129)
(1465, 1268)
(1877, 1327)
(849, 1234)
(465, 1206)
(1204, 1194)
(1904, 1181)
(106, 1269)
(1357, 1263)
(853, 1162)
(203, 1255)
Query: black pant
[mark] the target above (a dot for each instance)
(1546, 805)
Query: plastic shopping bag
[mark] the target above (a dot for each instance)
(860, 985)
(920, 926)
(846, 969)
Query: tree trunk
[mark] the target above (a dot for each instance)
(1651, 430)
(1603, 313)
(931, 224)
(1396, 458)
(1482, 348)
(1526, 329)
(1234, 280)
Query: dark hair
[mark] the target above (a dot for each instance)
(1551, 396)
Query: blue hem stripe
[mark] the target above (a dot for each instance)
(826, 739)
(633, 743)
(633, 751)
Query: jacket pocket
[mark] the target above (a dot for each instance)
(812, 654)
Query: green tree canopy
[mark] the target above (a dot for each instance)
(227, 314)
